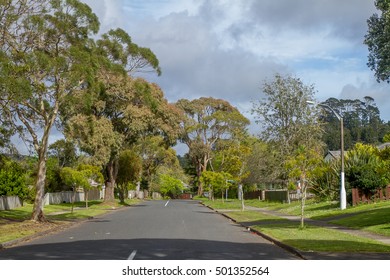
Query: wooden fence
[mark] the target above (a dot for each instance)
(275, 195)
(358, 196)
(67, 197)
(10, 202)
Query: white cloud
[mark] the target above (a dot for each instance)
(227, 48)
(110, 13)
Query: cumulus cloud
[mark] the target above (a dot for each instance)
(194, 64)
(346, 18)
(227, 48)
(110, 13)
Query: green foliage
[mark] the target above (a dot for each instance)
(53, 178)
(13, 180)
(60, 70)
(386, 138)
(364, 168)
(205, 122)
(82, 176)
(326, 184)
(261, 164)
(129, 172)
(64, 151)
(165, 163)
(377, 39)
(45, 56)
(288, 120)
(284, 113)
(118, 46)
(73, 178)
(304, 166)
(91, 173)
(232, 156)
(170, 186)
(5, 134)
(216, 182)
(362, 123)
(130, 167)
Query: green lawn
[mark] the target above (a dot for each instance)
(218, 204)
(373, 217)
(310, 238)
(376, 220)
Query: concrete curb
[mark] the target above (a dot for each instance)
(269, 238)
(265, 236)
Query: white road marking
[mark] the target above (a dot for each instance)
(132, 255)
(166, 204)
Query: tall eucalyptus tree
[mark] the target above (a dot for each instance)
(45, 55)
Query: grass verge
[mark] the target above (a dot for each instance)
(311, 238)
(369, 217)
(16, 223)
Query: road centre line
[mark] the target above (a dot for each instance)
(132, 255)
(166, 204)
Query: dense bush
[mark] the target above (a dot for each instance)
(365, 170)
(326, 186)
(13, 180)
(170, 186)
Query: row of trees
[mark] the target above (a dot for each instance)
(362, 123)
(55, 72)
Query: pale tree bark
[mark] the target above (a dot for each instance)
(198, 174)
(37, 213)
(303, 201)
(112, 172)
(41, 147)
(36, 46)
(201, 166)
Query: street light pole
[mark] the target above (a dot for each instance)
(343, 193)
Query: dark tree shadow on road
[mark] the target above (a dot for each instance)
(147, 249)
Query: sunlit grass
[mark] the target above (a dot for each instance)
(319, 239)
(376, 220)
(374, 217)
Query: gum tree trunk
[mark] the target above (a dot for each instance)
(37, 213)
(112, 171)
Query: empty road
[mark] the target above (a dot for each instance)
(153, 230)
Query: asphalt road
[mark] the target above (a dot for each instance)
(153, 230)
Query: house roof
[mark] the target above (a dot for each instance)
(383, 146)
(336, 154)
(331, 155)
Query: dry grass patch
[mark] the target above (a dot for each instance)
(11, 230)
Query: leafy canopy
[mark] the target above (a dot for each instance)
(377, 40)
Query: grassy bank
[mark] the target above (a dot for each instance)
(370, 217)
